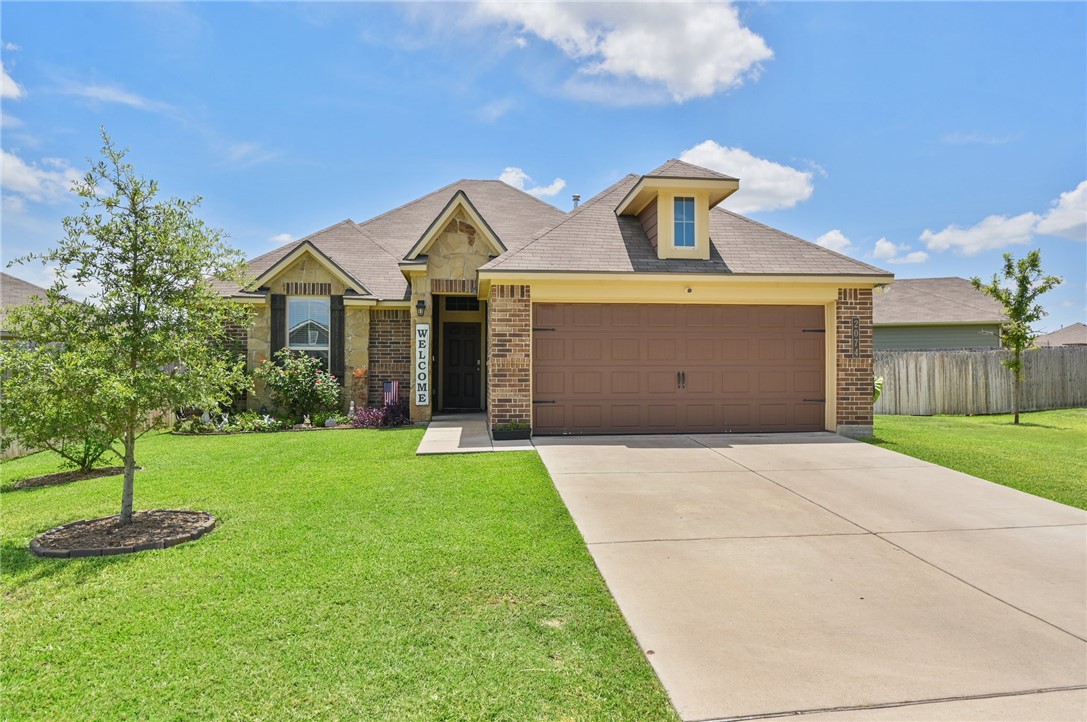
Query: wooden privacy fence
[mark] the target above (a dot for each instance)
(919, 383)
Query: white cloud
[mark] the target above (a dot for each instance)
(897, 253)
(12, 47)
(495, 109)
(993, 233)
(914, 257)
(692, 50)
(1068, 217)
(764, 184)
(9, 121)
(520, 42)
(115, 94)
(246, 154)
(834, 240)
(47, 182)
(8, 87)
(977, 137)
(518, 179)
(281, 238)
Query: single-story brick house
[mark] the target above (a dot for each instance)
(935, 314)
(647, 309)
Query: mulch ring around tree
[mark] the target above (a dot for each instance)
(67, 477)
(154, 529)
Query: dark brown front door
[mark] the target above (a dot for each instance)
(648, 368)
(461, 366)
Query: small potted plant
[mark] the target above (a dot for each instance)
(515, 431)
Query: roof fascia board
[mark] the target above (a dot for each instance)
(648, 187)
(307, 247)
(459, 200)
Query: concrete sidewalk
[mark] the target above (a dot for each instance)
(463, 434)
(811, 574)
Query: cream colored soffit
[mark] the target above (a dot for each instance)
(301, 249)
(459, 201)
(646, 189)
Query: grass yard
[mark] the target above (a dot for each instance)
(348, 580)
(1045, 455)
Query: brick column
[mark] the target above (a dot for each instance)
(389, 352)
(854, 358)
(509, 355)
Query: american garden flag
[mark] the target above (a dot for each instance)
(392, 392)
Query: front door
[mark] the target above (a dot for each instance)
(461, 366)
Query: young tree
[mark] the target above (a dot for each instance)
(154, 329)
(1025, 283)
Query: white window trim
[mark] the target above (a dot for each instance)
(327, 347)
(693, 222)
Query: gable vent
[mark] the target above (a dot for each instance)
(298, 288)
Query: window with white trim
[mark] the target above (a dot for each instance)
(308, 324)
(684, 223)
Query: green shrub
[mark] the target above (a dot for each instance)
(298, 385)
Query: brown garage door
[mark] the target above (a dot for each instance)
(644, 368)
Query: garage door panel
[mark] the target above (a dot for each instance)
(625, 382)
(587, 349)
(601, 368)
(661, 349)
(626, 349)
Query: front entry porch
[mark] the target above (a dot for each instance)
(464, 434)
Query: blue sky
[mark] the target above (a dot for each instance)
(926, 138)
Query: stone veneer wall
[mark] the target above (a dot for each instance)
(390, 352)
(509, 359)
(854, 374)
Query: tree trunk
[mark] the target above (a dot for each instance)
(1018, 390)
(130, 473)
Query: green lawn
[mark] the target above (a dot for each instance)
(1045, 455)
(348, 580)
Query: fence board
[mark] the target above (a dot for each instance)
(920, 383)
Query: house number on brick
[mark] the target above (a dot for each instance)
(422, 364)
(856, 337)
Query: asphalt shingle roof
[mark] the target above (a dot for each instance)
(934, 300)
(16, 292)
(540, 237)
(371, 251)
(1071, 335)
(593, 239)
(680, 169)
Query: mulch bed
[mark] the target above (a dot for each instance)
(154, 529)
(67, 477)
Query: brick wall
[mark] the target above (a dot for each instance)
(390, 353)
(854, 359)
(509, 359)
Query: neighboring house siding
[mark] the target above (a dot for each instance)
(923, 338)
(390, 352)
(854, 362)
(509, 359)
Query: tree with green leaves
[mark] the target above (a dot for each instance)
(1023, 282)
(153, 335)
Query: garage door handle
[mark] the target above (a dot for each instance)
(814, 401)
(543, 402)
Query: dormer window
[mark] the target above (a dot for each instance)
(684, 222)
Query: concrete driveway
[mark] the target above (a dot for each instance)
(776, 574)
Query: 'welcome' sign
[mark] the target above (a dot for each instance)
(422, 364)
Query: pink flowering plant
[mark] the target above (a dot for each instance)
(298, 385)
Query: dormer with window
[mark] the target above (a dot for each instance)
(673, 204)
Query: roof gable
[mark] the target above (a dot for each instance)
(459, 202)
(675, 168)
(302, 248)
(14, 291)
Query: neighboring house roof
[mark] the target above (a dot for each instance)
(593, 239)
(17, 292)
(934, 301)
(1072, 335)
(679, 169)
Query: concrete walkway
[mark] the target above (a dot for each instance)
(775, 575)
(463, 434)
